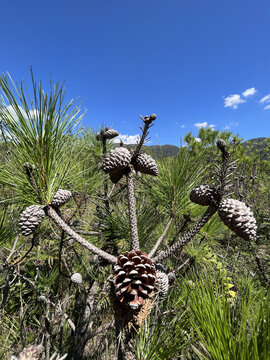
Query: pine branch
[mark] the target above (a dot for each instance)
(132, 213)
(147, 124)
(63, 226)
(188, 236)
(159, 241)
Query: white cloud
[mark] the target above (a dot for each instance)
(200, 125)
(198, 139)
(204, 124)
(128, 139)
(267, 107)
(230, 125)
(233, 101)
(265, 99)
(249, 92)
(183, 126)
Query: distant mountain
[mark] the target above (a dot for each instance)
(260, 145)
(161, 151)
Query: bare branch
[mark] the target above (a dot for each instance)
(188, 236)
(63, 226)
(159, 241)
(132, 213)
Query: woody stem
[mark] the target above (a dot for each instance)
(132, 213)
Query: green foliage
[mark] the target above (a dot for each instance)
(177, 176)
(39, 131)
(226, 332)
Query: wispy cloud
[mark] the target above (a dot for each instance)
(249, 92)
(127, 139)
(183, 126)
(198, 139)
(266, 101)
(233, 101)
(204, 124)
(230, 125)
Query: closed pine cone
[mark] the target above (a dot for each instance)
(111, 133)
(30, 353)
(146, 164)
(239, 218)
(203, 195)
(134, 277)
(76, 278)
(61, 197)
(117, 159)
(162, 280)
(30, 219)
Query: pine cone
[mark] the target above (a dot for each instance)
(30, 353)
(134, 277)
(111, 133)
(146, 164)
(61, 197)
(107, 133)
(30, 219)
(203, 195)
(221, 144)
(162, 280)
(116, 176)
(76, 278)
(239, 218)
(117, 159)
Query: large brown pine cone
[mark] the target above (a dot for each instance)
(239, 218)
(117, 159)
(146, 164)
(61, 197)
(203, 195)
(30, 219)
(134, 277)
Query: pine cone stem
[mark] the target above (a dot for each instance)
(159, 241)
(132, 213)
(104, 145)
(63, 226)
(223, 173)
(141, 142)
(188, 236)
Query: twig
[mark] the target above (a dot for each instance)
(13, 249)
(147, 124)
(159, 241)
(188, 236)
(188, 262)
(117, 192)
(262, 271)
(63, 226)
(5, 293)
(47, 329)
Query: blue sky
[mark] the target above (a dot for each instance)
(193, 63)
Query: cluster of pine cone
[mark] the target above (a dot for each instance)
(33, 215)
(235, 214)
(117, 161)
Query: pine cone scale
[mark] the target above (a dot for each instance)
(134, 277)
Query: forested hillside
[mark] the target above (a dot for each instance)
(108, 253)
